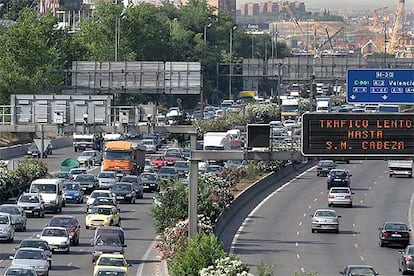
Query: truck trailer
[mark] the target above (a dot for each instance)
(400, 168)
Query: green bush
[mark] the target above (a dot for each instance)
(201, 251)
(170, 205)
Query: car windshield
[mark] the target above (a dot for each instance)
(128, 179)
(148, 142)
(396, 226)
(121, 187)
(157, 157)
(29, 254)
(325, 213)
(10, 210)
(339, 191)
(103, 201)
(110, 273)
(34, 244)
(29, 199)
(85, 177)
(326, 164)
(110, 261)
(71, 186)
(4, 220)
(87, 153)
(81, 171)
(361, 271)
(167, 170)
(20, 271)
(338, 173)
(44, 188)
(62, 222)
(54, 233)
(101, 211)
(181, 165)
(148, 176)
(106, 175)
(99, 194)
(112, 240)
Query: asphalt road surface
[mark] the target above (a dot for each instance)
(136, 221)
(278, 231)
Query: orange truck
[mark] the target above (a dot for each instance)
(123, 157)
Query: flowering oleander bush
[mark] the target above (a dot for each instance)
(174, 237)
(229, 266)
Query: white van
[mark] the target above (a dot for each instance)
(51, 192)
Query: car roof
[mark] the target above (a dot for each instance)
(31, 249)
(54, 227)
(122, 183)
(62, 216)
(360, 265)
(102, 191)
(325, 210)
(395, 222)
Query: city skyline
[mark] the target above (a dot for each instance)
(346, 5)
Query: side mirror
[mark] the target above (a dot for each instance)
(352, 193)
(11, 257)
(339, 216)
(401, 252)
(124, 245)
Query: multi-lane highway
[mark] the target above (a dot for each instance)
(278, 231)
(136, 221)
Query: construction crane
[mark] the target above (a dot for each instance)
(398, 26)
(329, 40)
(376, 19)
(293, 17)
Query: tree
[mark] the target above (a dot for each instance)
(27, 50)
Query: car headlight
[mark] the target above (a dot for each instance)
(90, 185)
(108, 218)
(97, 252)
(76, 194)
(43, 267)
(129, 195)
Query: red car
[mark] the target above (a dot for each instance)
(158, 161)
(71, 224)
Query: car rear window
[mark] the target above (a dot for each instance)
(395, 226)
(339, 191)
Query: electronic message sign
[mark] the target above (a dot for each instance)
(380, 86)
(360, 135)
(258, 135)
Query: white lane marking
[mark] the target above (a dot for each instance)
(236, 237)
(361, 201)
(362, 258)
(310, 206)
(302, 269)
(297, 244)
(356, 245)
(69, 264)
(321, 193)
(353, 225)
(316, 199)
(298, 256)
(410, 211)
(300, 223)
(145, 257)
(297, 233)
(305, 215)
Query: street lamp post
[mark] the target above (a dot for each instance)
(205, 32)
(231, 60)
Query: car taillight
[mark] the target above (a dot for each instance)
(331, 196)
(405, 235)
(315, 220)
(409, 259)
(385, 234)
(348, 197)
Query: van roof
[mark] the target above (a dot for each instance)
(47, 181)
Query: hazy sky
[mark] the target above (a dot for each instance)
(354, 4)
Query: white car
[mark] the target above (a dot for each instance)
(340, 196)
(57, 237)
(325, 220)
(6, 227)
(150, 145)
(98, 193)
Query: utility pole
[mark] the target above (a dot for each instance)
(231, 60)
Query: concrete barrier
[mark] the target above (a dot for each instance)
(233, 216)
(20, 150)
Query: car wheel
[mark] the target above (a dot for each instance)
(329, 204)
(337, 231)
(313, 230)
(86, 227)
(390, 175)
(350, 205)
(39, 215)
(24, 228)
(381, 243)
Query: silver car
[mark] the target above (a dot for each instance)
(32, 204)
(325, 220)
(34, 257)
(6, 228)
(17, 214)
(340, 196)
(106, 179)
(14, 270)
